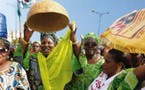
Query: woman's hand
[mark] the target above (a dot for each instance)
(27, 33)
(76, 44)
(73, 32)
(73, 27)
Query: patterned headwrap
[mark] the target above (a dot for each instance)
(52, 36)
(92, 35)
(5, 42)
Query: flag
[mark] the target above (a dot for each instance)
(22, 4)
(25, 3)
(18, 11)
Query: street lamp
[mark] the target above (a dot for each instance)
(100, 15)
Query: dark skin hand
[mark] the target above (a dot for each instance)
(27, 35)
(73, 38)
(77, 46)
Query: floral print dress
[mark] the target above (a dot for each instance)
(14, 78)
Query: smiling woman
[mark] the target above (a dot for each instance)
(12, 74)
(50, 68)
(115, 75)
(115, 62)
(89, 56)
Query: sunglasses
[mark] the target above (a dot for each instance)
(91, 44)
(3, 50)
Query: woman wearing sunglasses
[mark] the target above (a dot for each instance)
(89, 56)
(12, 75)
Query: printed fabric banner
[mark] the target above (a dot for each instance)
(127, 33)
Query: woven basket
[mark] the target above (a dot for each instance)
(47, 16)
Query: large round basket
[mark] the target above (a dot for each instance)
(47, 16)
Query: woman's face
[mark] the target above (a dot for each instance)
(46, 46)
(3, 54)
(90, 46)
(35, 47)
(110, 67)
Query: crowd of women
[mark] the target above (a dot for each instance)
(67, 64)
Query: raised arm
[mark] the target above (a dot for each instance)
(27, 35)
(21, 51)
(75, 42)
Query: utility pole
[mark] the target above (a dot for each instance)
(100, 16)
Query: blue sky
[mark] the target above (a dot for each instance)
(80, 11)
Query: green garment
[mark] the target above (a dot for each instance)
(18, 51)
(24, 61)
(76, 66)
(90, 72)
(124, 81)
